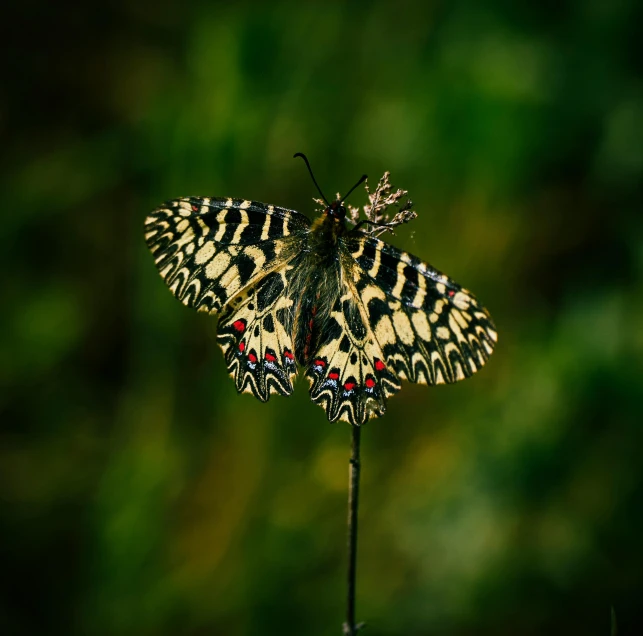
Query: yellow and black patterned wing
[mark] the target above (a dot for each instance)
(348, 377)
(255, 334)
(208, 250)
(429, 328)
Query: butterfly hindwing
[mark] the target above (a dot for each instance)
(349, 379)
(254, 332)
(209, 249)
(429, 328)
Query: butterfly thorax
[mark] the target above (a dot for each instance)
(330, 224)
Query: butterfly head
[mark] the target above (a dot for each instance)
(336, 211)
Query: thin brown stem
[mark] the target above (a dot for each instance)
(350, 628)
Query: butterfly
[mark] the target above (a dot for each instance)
(358, 314)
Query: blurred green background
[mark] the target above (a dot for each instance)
(141, 495)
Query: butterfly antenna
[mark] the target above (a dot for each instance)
(303, 156)
(361, 180)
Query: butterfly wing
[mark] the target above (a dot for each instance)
(209, 250)
(348, 377)
(395, 318)
(429, 328)
(255, 333)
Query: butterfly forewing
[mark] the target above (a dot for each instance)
(429, 328)
(208, 250)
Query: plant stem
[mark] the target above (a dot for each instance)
(350, 628)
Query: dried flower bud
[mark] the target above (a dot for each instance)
(321, 203)
(353, 214)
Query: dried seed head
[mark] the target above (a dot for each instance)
(384, 198)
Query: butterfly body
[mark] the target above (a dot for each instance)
(316, 283)
(356, 313)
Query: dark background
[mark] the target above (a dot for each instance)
(141, 495)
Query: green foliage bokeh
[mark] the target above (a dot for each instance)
(141, 495)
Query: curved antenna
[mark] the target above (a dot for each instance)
(361, 180)
(303, 156)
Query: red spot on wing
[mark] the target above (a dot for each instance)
(349, 386)
(239, 325)
(270, 357)
(310, 324)
(333, 376)
(252, 357)
(451, 293)
(195, 208)
(370, 383)
(379, 365)
(289, 355)
(320, 363)
(242, 346)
